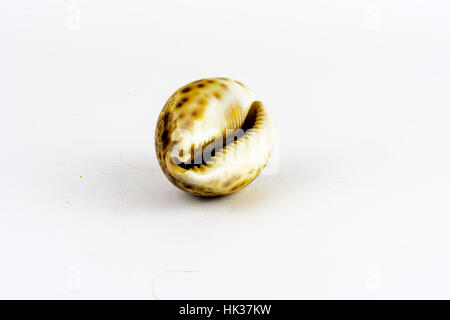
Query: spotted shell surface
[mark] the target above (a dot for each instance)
(212, 138)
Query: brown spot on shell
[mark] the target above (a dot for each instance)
(214, 182)
(165, 136)
(217, 95)
(240, 185)
(224, 85)
(197, 112)
(187, 89)
(236, 187)
(180, 103)
(231, 180)
(187, 124)
(166, 119)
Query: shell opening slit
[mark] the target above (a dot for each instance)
(206, 152)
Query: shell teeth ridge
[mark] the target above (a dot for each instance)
(250, 135)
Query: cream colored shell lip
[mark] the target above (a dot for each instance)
(212, 137)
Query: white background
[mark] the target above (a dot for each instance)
(358, 208)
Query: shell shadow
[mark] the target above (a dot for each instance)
(265, 189)
(137, 185)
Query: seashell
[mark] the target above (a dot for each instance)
(212, 138)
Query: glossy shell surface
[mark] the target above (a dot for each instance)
(212, 138)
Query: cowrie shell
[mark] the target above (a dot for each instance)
(212, 137)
